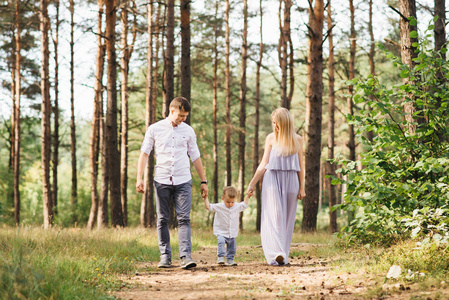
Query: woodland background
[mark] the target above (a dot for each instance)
(82, 80)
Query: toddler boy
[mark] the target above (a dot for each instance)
(226, 223)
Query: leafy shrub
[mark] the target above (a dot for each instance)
(402, 170)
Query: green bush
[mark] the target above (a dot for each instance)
(402, 170)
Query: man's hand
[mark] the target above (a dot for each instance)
(139, 186)
(204, 190)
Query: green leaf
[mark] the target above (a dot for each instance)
(405, 73)
(412, 21)
(414, 34)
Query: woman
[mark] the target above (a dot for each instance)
(283, 184)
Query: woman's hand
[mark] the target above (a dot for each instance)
(301, 194)
(249, 190)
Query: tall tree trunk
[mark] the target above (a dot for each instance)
(72, 119)
(147, 213)
(169, 66)
(144, 206)
(350, 104)
(284, 46)
(16, 112)
(256, 121)
(46, 110)
(126, 56)
(242, 117)
(103, 210)
(94, 135)
(228, 99)
(408, 9)
(55, 153)
(440, 25)
(186, 80)
(111, 117)
(331, 124)
(214, 109)
(314, 96)
(13, 97)
(371, 54)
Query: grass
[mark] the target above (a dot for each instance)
(81, 264)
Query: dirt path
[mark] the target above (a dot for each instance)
(252, 278)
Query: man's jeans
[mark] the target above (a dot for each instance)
(182, 196)
(230, 249)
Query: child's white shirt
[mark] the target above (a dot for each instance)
(226, 222)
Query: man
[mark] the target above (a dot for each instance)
(174, 142)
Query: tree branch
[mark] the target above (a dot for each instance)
(398, 12)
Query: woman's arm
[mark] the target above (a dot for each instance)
(263, 163)
(302, 188)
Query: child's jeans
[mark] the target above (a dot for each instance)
(230, 249)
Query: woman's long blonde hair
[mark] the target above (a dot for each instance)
(284, 132)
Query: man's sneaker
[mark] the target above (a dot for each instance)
(220, 261)
(280, 260)
(231, 262)
(187, 262)
(164, 263)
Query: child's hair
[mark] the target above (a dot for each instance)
(230, 192)
(180, 103)
(284, 132)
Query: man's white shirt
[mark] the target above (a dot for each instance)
(226, 221)
(173, 146)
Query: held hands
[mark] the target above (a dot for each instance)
(204, 191)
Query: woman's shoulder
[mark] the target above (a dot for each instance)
(299, 138)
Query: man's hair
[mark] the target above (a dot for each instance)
(230, 192)
(180, 103)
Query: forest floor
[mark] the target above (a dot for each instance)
(306, 277)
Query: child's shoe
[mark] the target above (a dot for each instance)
(220, 261)
(231, 262)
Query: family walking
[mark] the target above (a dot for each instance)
(282, 169)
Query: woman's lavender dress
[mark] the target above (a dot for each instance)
(279, 201)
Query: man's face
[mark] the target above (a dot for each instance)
(178, 116)
(228, 201)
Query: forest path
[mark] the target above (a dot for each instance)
(305, 276)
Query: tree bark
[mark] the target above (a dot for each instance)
(185, 53)
(126, 57)
(440, 25)
(94, 135)
(55, 140)
(214, 109)
(371, 54)
(148, 213)
(314, 95)
(408, 9)
(285, 53)
(103, 216)
(16, 112)
(169, 67)
(242, 117)
(228, 99)
(111, 117)
(350, 104)
(331, 123)
(149, 189)
(72, 119)
(46, 110)
(256, 121)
